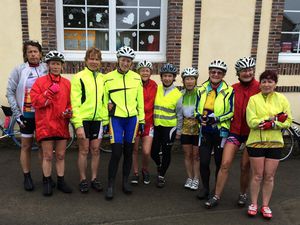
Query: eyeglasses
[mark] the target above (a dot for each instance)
(216, 72)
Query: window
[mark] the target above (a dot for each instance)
(110, 24)
(290, 35)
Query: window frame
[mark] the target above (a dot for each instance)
(284, 57)
(110, 56)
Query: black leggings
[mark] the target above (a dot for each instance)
(162, 141)
(209, 142)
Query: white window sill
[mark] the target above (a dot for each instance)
(289, 57)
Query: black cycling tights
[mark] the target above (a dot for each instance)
(162, 141)
(116, 155)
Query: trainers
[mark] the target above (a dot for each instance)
(146, 177)
(160, 182)
(252, 210)
(242, 200)
(188, 183)
(195, 184)
(62, 185)
(135, 179)
(212, 202)
(96, 185)
(28, 183)
(266, 212)
(83, 186)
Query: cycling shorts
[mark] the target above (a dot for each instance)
(93, 129)
(28, 130)
(236, 139)
(148, 131)
(270, 153)
(123, 128)
(189, 139)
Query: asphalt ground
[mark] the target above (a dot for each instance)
(147, 205)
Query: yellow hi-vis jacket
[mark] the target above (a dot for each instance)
(86, 98)
(262, 108)
(223, 106)
(165, 106)
(125, 92)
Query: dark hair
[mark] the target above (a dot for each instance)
(92, 50)
(269, 74)
(32, 43)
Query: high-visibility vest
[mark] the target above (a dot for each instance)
(165, 107)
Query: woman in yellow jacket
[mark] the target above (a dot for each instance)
(89, 116)
(267, 113)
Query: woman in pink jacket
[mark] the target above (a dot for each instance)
(50, 96)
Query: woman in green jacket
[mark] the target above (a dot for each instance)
(267, 113)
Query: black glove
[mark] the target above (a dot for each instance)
(141, 128)
(21, 121)
(105, 129)
(211, 120)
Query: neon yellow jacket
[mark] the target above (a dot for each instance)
(262, 108)
(125, 92)
(223, 107)
(167, 107)
(86, 98)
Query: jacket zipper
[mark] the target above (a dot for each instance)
(125, 95)
(96, 97)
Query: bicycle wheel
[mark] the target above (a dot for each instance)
(15, 134)
(105, 144)
(288, 140)
(72, 135)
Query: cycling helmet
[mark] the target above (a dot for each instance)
(54, 56)
(189, 72)
(168, 68)
(126, 51)
(244, 63)
(219, 64)
(144, 64)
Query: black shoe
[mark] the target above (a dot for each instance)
(62, 186)
(53, 184)
(203, 194)
(127, 189)
(146, 177)
(83, 186)
(242, 200)
(109, 195)
(212, 202)
(28, 183)
(96, 185)
(160, 182)
(135, 179)
(47, 188)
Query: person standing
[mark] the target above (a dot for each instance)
(190, 130)
(144, 68)
(89, 117)
(214, 110)
(50, 97)
(124, 96)
(167, 121)
(267, 113)
(19, 84)
(239, 131)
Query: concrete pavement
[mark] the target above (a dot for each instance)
(147, 205)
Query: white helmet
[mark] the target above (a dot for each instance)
(54, 56)
(144, 64)
(126, 51)
(219, 64)
(189, 72)
(244, 63)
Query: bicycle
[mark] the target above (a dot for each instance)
(13, 131)
(290, 137)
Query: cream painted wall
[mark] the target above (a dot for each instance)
(294, 99)
(188, 15)
(11, 43)
(34, 20)
(225, 33)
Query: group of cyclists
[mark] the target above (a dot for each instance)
(214, 117)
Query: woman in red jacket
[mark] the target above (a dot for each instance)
(144, 68)
(50, 96)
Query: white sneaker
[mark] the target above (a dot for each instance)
(195, 184)
(188, 183)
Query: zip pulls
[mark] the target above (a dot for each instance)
(125, 94)
(96, 87)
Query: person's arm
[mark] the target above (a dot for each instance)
(229, 114)
(140, 103)
(179, 115)
(11, 90)
(287, 109)
(76, 95)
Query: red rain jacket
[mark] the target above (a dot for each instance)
(149, 88)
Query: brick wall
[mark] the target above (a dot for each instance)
(275, 34)
(256, 26)
(197, 22)
(24, 20)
